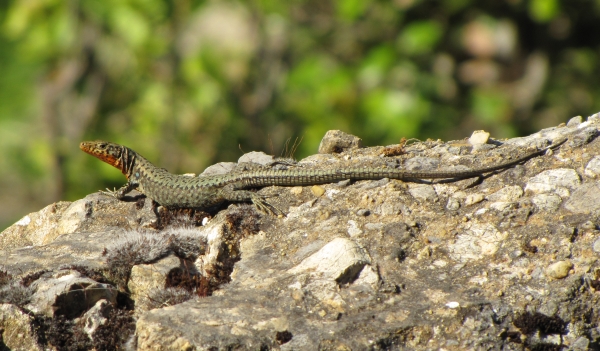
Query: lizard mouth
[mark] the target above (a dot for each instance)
(99, 150)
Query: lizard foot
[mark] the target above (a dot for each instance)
(265, 207)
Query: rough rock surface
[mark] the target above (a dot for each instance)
(508, 261)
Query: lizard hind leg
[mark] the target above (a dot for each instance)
(257, 199)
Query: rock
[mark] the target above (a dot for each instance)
(592, 169)
(317, 190)
(596, 246)
(479, 137)
(219, 168)
(96, 317)
(363, 212)
(581, 344)
(453, 204)
(365, 265)
(326, 292)
(472, 199)
(559, 270)
(476, 241)
(353, 229)
(423, 192)
(147, 277)
(509, 193)
(336, 141)
(586, 199)
(557, 181)
(219, 321)
(453, 304)
(257, 157)
(502, 205)
(35, 228)
(68, 293)
(421, 163)
(161, 296)
(71, 219)
(340, 260)
(547, 202)
(301, 342)
(575, 121)
(588, 225)
(297, 190)
(368, 276)
(17, 329)
(583, 136)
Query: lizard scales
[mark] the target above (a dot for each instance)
(202, 192)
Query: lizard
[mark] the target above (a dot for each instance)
(204, 192)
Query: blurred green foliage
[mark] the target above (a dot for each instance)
(189, 83)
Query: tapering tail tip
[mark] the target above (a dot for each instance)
(557, 143)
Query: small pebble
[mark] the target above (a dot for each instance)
(516, 254)
(549, 180)
(509, 193)
(317, 190)
(501, 205)
(479, 137)
(588, 225)
(257, 157)
(594, 117)
(452, 304)
(353, 229)
(593, 167)
(453, 204)
(343, 183)
(473, 199)
(575, 121)
(547, 202)
(559, 270)
(424, 253)
(297, 190)
(336, 141)
(363, 212)
(596, 246)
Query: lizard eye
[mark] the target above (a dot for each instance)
(102, 146)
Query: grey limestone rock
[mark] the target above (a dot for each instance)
(256, 157)
(479, 137)
(592, 169)
(509, 262)
(336, 141)
(68, 293)
(585, 199)
(219, 168)
(18, 329)
(575, 121)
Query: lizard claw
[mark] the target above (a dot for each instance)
(109, 192)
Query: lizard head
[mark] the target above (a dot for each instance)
(111, 153)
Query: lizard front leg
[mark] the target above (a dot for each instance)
(120, 194)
